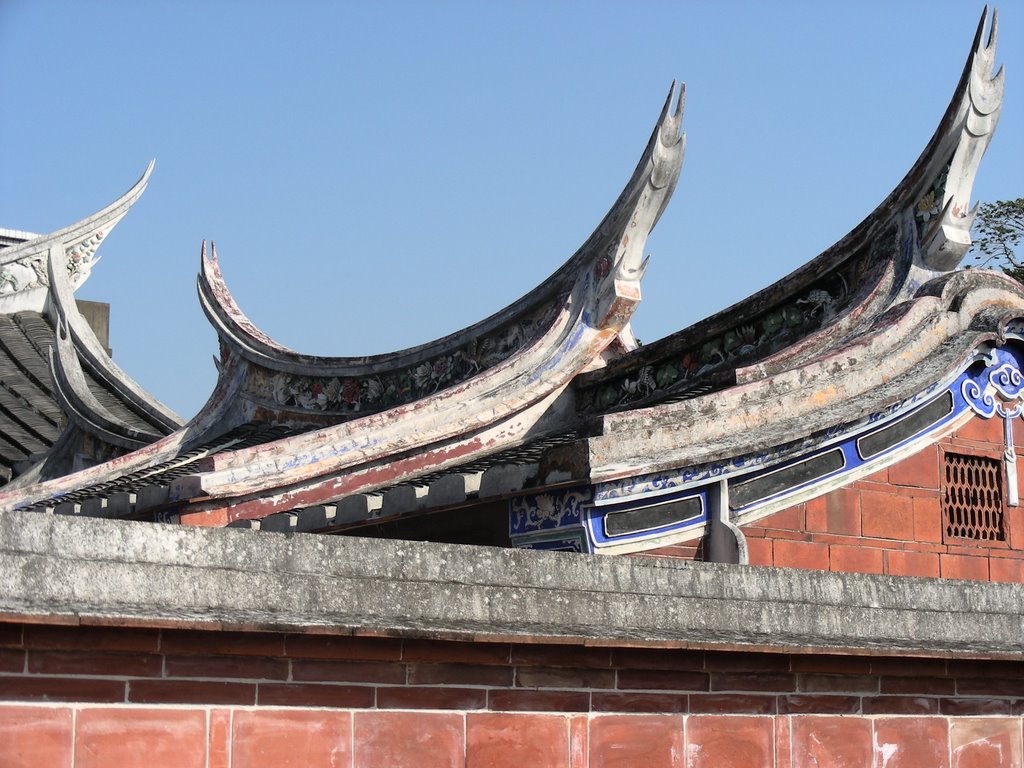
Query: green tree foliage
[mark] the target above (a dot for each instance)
(998, 230)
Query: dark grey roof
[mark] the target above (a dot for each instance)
(30, 419)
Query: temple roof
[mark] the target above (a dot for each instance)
(552, 393)
(477, 391)
(60, 387)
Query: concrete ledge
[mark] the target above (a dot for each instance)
(56, 569)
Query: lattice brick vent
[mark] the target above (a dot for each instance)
(973, 501)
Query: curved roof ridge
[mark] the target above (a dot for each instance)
(78, 402)
(81, 349)
(489, 409)
(23, 272)
(655, 168)
(914, 234)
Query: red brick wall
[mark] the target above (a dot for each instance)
(891, 522)
(126, 697)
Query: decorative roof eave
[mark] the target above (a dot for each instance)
(80, 404)
(24, 284)
(656, 174)
(195, 504)
(979, 308)
(145, 460)
(948, 238)
(590, 314)
(892, 251)
(911, 347)
(77, 348)
(590, 317)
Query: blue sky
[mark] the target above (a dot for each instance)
(380, 174)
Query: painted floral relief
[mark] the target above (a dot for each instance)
(371, 393)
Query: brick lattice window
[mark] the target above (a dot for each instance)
(973, 498)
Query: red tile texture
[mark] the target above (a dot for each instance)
(928, 519)
(892, 522)
(902, 563)
(219, 739)
(910, 742)
(140, 738)
(1006, 569)
(920, 470)
(278, 738)
(579, 742)
(801, 554)
(856, 559)
(831, 742)
(985, 742)
(747, 742)
(626, 741)
(35, 736)
(291, 738)
(504, 740)
(421, 739)
(963, 567)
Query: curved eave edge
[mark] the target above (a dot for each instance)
(598, 307)
(68, 234)
(657, 169)
(72, 392)
(900, 352)
(87, 348)
(947, 238)
(959, 140)
(819, 463)
(916, 403)
(207, 423)
(23, 265)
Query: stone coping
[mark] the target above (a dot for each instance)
(64, 570)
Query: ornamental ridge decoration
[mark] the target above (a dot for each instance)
(545, 511)
(752, 339)
(31, 272)
(361, 395)
(999, 394)
(1005, 382)
(929, 205)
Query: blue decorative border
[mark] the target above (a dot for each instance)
(553, 510)
(596, 517)
(991, 384)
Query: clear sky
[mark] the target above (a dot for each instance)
(378, 174)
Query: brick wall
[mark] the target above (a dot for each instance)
(89, 696)
(892, 522)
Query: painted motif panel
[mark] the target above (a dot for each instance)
(993, 384)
